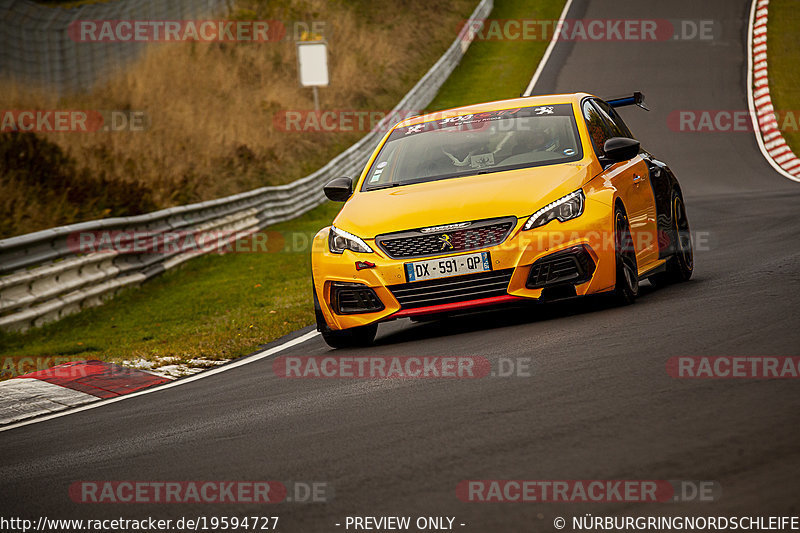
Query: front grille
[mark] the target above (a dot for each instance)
(415, 243)
(452, 290)
(572, 266)
(352, 298)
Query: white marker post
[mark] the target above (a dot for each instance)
(312, 63)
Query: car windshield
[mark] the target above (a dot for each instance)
(480, 143)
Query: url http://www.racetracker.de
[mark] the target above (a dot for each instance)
(148, 524)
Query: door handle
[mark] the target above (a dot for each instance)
(637, 178)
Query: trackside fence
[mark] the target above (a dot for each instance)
(35, 44)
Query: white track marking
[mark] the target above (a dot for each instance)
(244, 361)
(549, 50)
(762, 92)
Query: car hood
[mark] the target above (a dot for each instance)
(518, 192)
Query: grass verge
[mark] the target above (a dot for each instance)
(224, 306)
(783, 49)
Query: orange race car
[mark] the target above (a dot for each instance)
(535, 198)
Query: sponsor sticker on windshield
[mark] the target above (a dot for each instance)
(479, 121)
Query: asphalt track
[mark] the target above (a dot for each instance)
(599, 405)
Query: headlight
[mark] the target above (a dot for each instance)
(566, 208)
(339, 241)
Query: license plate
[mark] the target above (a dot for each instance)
(448, 266)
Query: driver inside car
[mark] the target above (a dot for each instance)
(532, 141)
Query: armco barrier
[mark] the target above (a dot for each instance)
(42, 279)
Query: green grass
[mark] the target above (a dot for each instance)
(224, 306)
(498, 69)
(783, 50)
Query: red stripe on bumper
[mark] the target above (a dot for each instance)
(457, 306)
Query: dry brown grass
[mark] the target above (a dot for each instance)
(210, 109)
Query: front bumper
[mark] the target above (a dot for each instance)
(525, 265)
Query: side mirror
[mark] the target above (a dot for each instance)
(339, 189)
(620, 149)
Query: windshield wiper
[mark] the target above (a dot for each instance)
(478, 173)
(390, 185)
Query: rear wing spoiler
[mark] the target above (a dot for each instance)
(637, 99)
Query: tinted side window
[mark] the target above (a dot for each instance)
(599, 131)
(613, 118)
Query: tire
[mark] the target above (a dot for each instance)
(681, 265)
(626, 288)
(345, 338)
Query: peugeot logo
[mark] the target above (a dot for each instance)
(444, 239)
